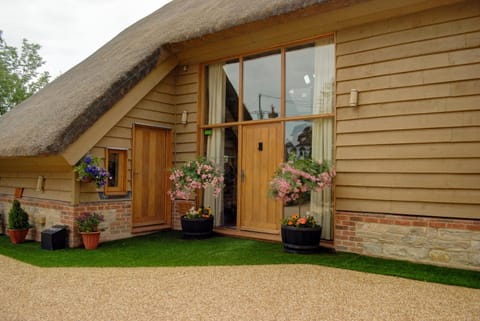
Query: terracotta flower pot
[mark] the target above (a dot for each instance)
(18, 235)
(90, 239)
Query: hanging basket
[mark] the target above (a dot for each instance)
(86, 179)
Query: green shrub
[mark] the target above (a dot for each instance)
(17, 217)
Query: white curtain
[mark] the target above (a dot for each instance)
(215, 142)
(321, 204)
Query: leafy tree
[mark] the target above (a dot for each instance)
(19, 75)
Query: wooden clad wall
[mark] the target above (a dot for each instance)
(186, 100)
(412, 146)
(24, 173)
(157, 108)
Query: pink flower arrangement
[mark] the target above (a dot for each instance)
(195, 175)
(297, 178)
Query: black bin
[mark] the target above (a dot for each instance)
(55, 238)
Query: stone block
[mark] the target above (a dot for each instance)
(418, 253)
(415, 237)
(375, 248)
(459, 258)
(450, 245)
(475, 259)
(475, 235)
(394, 250)
(475, 246)
(454, 235)
(439, 256)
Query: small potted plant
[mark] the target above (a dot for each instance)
(190, 179)
(293, 183)
(18, 224)
(88, 169)
(88, 228)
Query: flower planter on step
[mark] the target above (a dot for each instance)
(197, 227)
(301, 240)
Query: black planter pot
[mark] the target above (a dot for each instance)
(304, 240)
(197, 227)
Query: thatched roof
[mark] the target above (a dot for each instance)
(48, 122)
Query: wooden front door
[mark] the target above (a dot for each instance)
(262, 152)
(152, 159)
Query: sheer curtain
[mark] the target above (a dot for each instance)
(321, 204)
(215, 142)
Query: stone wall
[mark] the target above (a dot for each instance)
(438, 241)
(44, 214)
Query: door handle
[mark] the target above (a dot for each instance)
(243, 176)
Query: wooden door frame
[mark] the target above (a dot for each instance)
(169, 155)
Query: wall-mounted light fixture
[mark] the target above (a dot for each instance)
(184, 117)
(353, 97)
(40, 184)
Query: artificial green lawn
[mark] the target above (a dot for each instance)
(168, 248)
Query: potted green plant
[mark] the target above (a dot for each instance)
(190, 179)
(293, 183)
(88, 169)
(88, 228)
(18, 224)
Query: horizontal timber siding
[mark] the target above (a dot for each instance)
(412, 146)
(157, 108)
(24, 173)
(186, 147)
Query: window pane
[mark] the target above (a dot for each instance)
(298, 138)
(300, 80)
(261, 86)
(310, 71)
(222, 148)
(232, 90)
(223, 92)
(230, 176)
(113, 166)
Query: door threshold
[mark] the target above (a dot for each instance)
(150, 228)
(233, 232)
(275, 238)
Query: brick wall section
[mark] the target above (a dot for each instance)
(180, 207)
(117, 215)
(118, 219)
(440, 241)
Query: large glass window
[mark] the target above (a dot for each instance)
(293, 86)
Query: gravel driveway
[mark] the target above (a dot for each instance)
(274, 292)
